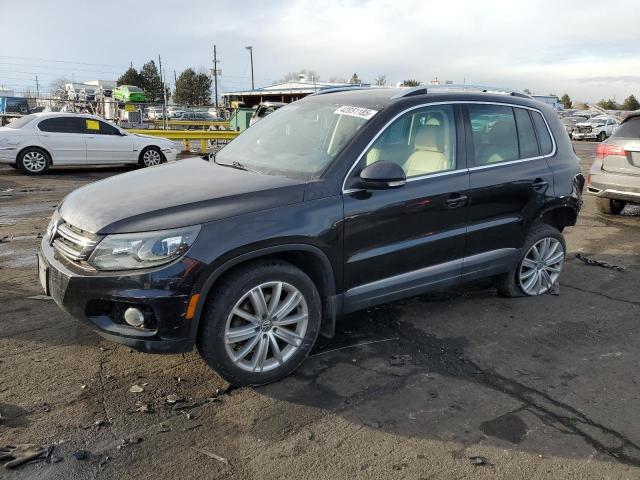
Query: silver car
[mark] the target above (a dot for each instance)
(614, 177)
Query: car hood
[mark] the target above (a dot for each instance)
(187, 192)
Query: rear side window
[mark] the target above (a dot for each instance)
(495, 137)
(62, 125)
(546, 144)
(629, 129)
(526, 134)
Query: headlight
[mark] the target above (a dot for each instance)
(129, 251)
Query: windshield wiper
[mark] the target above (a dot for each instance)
(236, 165)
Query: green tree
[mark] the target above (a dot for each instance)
(607, 104)
(630, 103)
(411, 82)
(151, 82)
(355, 79)
(130, 77)
(193, 88)
(566, 101)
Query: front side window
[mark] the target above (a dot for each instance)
(99, 127)
(298, 140)
(422, 142)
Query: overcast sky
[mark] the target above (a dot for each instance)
(588, 48)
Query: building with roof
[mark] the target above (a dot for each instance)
(286, 92)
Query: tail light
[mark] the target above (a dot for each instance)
(605, 149)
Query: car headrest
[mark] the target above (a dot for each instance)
(430, 137)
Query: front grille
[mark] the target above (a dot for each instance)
(73, 243)
(585, 129)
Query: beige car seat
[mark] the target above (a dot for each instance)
(428, 156)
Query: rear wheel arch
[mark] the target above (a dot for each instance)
(308, 258)
(560, 216)
(36, 147)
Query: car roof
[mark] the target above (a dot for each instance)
(378, 98)
(42, 115)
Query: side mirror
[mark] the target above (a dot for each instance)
(382, 175)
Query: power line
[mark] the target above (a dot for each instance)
(62, 61)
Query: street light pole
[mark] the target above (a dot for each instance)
(250, 48)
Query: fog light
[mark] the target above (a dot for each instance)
(134, 317)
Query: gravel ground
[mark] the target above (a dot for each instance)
(538, 387)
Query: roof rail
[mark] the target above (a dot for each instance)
(423, 89)
(323, 91)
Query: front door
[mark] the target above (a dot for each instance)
(509, 181)
(63, 137)
(105, 143)
(405, 240)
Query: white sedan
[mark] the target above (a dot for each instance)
(34, 143)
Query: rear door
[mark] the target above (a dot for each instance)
(105, 144)
(63, 136)
(509, 181)
(621, 153)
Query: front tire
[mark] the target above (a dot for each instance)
(539, 266)
(608, 206)
(150, 157)
(261, 323)
(602, 136)
(33, 161)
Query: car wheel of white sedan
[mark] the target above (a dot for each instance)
(33, 161)
(150, 157)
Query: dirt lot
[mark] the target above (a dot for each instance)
(540, 387)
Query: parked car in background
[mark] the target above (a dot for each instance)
(335, 203)
(596, 128)
(614, 177)
(129, 93)
(199, 116)
(264, 109)
(9, 105)
(36, 142)
(571, 122)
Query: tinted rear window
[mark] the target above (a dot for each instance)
(526, 134)
(20, 122)
(629, 129)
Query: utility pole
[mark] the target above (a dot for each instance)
(164, 95)
(37, 88)
(215, 77)
(250, 48)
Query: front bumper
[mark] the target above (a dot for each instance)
(584, 136)
(100, 298)
(614, 186)
(171, 154)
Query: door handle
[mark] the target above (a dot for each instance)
(456, 200)
(539, 184)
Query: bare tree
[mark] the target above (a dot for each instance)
(335, 79)
(311, 76)
(58, 89)
(381, 80)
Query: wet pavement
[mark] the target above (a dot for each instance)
(539, 387)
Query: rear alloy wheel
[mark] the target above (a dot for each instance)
(610, 206)
(540, 265)
(261, 323)
(150, 157)
(33, 161)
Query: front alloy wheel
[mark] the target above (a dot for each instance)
(151, 157)
(260, 322)
(541, 266)
(266, 326)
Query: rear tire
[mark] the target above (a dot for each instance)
(546, 264)
(608, 206)
(266, 342)
(33, 161)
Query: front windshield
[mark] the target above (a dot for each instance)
(298, 140)
(596, 121)
(20, 122)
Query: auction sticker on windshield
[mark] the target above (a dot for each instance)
(359, 112)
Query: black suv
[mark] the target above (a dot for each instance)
(332, 204)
